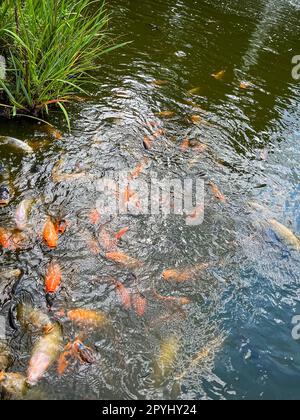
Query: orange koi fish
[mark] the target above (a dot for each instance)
(220, 75)
(139, 303)
(52, 131)
(185, 145)
(5, 238)
(123, 293)
(87, 317)
(166, 114)
(105, 239)
(53, 278)
(94, 247)
(76, 350)
(174, 299)
(94, 217)
(159, 83)
(196, 119)
(49, 234)
(246, 85)
(196, 213)
(217, 193)
(184, 275)
(158, 133)
(123, 259)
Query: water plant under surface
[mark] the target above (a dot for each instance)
(51, 48)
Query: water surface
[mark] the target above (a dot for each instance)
(241, 309)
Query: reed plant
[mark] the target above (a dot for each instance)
(51, 49)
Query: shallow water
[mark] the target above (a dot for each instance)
(242, 307)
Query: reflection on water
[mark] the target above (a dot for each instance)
(234, 338)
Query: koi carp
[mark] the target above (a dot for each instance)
(49, 234)
(44, 354)
(184, 275)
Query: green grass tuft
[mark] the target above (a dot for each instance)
(51, 47)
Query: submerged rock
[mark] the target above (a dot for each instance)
(2, 68)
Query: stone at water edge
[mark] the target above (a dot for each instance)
(2, 68)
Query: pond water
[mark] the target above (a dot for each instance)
(234, 338)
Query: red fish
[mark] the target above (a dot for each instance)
(186, 274)
(121, 233)
(87, 317)
(53, 278)
(106, 241)
(123, 259)
(185, 145)
(94, 217)
(50, 235)
(174, 299)
(139, 303)
(5, 238)
(217, 193)
(123, 293)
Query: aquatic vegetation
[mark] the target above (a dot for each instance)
(51, 48)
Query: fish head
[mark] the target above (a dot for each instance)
(48, 328)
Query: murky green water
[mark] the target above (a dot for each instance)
(241, 310)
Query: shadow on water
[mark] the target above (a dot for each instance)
(235, 335)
